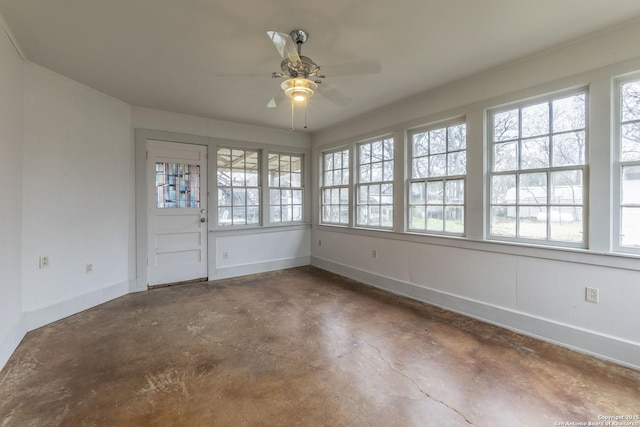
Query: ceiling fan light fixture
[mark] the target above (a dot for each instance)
(299, 89)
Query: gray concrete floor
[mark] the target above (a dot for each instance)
(298, 347)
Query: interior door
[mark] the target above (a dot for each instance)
(177, 216)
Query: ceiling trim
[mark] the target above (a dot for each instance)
(14, 41)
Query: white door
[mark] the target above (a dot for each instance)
(176, 206)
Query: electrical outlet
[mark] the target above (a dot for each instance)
(592, 295)
(44, 261)
(89, 268)
(225, 255)
(374, 254)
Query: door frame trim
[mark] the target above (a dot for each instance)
(141, 137)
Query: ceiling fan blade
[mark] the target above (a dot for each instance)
(285, 46)
(277, 99)
(365, 66)
(333, 95)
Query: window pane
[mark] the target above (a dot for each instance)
(328, 161)
(365, 173)
(365, 153)
(457, 137)
(532, 222)
(631, 185)
(438, 165)
(631, 101)
(435, 216)
(296, 179)
(376, 172)
(224, 216)
(435, 190)
(503, 221)
(376, 151)
(455, 192)
(420, 144)
(417, 193)
(274, 214)
(224, 196)
(569, 113)
(177, 185)
(535, 153)
(387, 173)
(454, 219)
(417, 218)
(437, 141)
(566, 187)
(457, 163)
(505, 125)
(630, 227)
(566, 223)
(568, 149)
(533, 189)
(630, 150)
(420, 168)
(535, 120)
(503, 189)
(504, 157)
(388, 149)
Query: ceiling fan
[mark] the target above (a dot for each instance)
(303, 77)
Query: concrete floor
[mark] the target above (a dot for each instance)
(298, 347)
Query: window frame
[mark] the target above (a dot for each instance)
(548, 170)
(409, 172)
(618, 166)
(341, 189)
(257, 189)
(360, 184)
(281, 188)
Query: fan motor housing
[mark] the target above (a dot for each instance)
(305, 69)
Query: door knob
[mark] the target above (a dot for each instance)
(203, 220)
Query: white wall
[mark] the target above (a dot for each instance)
(534, 290)
(11, 108)
(76, 196)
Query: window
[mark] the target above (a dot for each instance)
(238, 187)
(335, 187)
(285, 188)
(177, 185)
(537, 170)
(437, 180)
(629, 161)
(375, 184)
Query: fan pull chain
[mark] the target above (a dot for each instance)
(292, 129)
(305, 113)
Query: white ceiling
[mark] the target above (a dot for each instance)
(169, 54)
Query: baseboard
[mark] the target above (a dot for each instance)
(12, 337)
(602, 346)
(43, 316)
(260, 267)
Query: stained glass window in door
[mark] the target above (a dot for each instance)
(177, 185)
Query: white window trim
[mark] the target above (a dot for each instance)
(618, 164)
